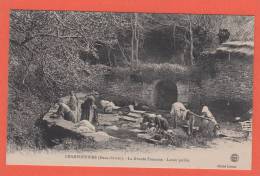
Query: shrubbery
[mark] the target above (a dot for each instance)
(150, 72)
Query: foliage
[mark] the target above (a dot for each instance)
(223, 35)
(23, 130)
(45, 61)
(44, 46)
(151, 72)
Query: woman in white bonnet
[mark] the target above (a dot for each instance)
(206, 113)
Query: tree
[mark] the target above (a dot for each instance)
(223, 35)
(44, 46)
(135, 40)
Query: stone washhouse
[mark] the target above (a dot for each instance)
(226, 82)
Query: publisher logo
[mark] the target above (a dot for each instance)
(234, 157)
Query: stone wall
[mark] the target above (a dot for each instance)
(233, 80)
(125, 91)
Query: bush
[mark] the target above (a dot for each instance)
(24, 112)
(151, 72)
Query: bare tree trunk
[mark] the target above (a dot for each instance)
(191, 42)
(123, 53)
(136, 38)
(27, 69)
(132, 43)
(108, 56)
(174, 31)
(182, 56)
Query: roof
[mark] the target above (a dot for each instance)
(237, 47)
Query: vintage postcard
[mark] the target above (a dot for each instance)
(130, 89)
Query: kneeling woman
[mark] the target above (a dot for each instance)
(65, 111)
(89, 110)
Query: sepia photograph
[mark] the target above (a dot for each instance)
(146, 90)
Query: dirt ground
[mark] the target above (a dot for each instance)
(187, 152)
(127, 140)
(126, 136)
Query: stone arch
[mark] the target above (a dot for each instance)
(165, 94)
